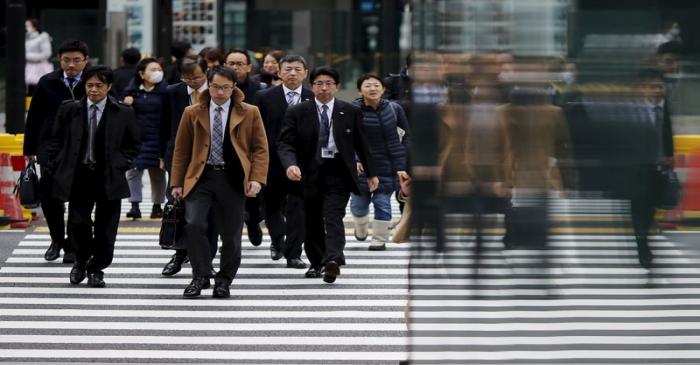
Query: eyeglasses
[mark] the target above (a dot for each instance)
(225, 88)
(322, 83)
(76, 60)
(238, 64)
(98, 85)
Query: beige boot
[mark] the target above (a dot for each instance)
(380, 235)
(361, 227)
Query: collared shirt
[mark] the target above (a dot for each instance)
(297, 97)
(224, 116)
(201, 90)
(77, 79)
(319, 106)
(100, 109)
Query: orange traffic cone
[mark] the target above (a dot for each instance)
(10, 202)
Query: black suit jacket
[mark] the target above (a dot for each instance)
(50, 92)
(122, 143)
(273, 105)
(175, 101)
(298, 141)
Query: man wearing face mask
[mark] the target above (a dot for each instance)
(52, 89)
(146, 95)
(238, 60)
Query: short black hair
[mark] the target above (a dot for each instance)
(73, 45)
(366, 77)
(223, 72)
(102, 73)
(131, 56)
(215, 54)
(239, 50)
(190, 63)
(673, 47)
(142, 67)
(323, 70)
(180, 48)
(293, 58)
(35, 24)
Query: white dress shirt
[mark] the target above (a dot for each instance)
(191, 90)
(331, 104)
(224, 116)
(297, 97)
(100, 109)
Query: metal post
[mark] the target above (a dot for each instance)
(391, 13)
(15, 87)
(164, 28)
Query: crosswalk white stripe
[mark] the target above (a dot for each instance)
(235, 291)
(182, 326)
(238, 303)
(565, 356)
(246, 261)
(208, 340)
(306, 356)
(170, 314)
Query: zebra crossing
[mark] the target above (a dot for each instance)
(592, 304)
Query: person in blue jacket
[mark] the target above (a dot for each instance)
(386, 127)
(146, 95)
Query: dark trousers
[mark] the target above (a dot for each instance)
(94, 242)
(325, 231)
(53, 210)
(212, 233)
(284, 216)
(296, 226)
(273, 201)
(645, 196)
(214, 190)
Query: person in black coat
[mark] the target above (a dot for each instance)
(279, 191)
(94, 142)
(53, 88)
(239, 61)
(178, 97)
(146, 95)
(317, 146)
(125, 73)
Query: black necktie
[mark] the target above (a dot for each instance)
(325, 126)
(71, 81)
(92, 127)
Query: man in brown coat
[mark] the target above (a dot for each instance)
(220, 158)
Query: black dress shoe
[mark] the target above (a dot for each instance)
(313, 273)
(645, 258)
(221, 290)
(174, 266)
(134, 213)
(276, 250)
(255, 234)
(156, 211)
(53, 252)
(296, 263)
(331, 271)
(77, 273)
(96, 280)
(68, 257)
(194, 289)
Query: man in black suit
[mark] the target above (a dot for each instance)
(317, 146)
(94, 142)
(279, 191)
(53, 88)
(238, 60)
(178, 97)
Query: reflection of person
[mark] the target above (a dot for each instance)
(123, 74)
(317, 146)
(52, 89)
(381, 122)
(273, 103)
(37, 46)
(656, 156)
(90, 173)
(236, 167)
(146, 94)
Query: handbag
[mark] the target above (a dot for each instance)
(27, 187)
(670, 190)
(172, 226)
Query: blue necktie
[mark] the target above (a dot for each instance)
(325, 126)
(71, 81)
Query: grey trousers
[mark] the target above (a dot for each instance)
(134, 177)
(214, 191)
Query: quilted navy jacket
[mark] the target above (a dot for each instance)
(389, 149)
(148, 106)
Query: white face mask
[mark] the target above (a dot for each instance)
(155, 77)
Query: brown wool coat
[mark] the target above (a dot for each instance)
(247, 134)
